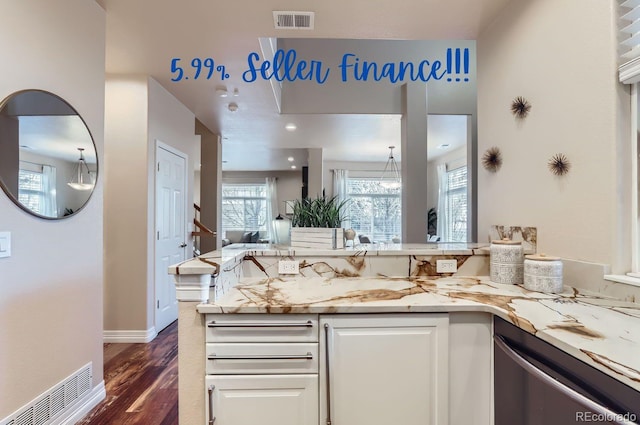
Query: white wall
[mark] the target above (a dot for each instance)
(138, 112)
(51, 286)
(125, 226)
(561, 56)
(171, 123)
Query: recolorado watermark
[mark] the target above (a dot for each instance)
(605, 417)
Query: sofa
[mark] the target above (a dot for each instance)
(243, 236)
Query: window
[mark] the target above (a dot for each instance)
(244, 207)
(31, 190)
(373, 210)
(37, 188)
(456, 205)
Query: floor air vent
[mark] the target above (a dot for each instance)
(294, 20)
(53, 402)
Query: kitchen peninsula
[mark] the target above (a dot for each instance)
(383, 284)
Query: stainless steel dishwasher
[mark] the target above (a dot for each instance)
(539, 384)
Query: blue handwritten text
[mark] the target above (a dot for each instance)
(285, 66)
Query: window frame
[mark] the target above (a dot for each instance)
(464, 190)
(40, 194)
(223, 198)
(372, 196)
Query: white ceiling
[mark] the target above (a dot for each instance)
(56, 136)
(143, 36)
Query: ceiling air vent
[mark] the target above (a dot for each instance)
(293, 20)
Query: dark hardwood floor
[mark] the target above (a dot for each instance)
(141, 381)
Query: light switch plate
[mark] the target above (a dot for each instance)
(5, 244)
(446, 266)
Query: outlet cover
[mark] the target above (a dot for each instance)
(288, 267)
(446, 266)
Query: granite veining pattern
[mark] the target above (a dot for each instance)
(600, 331)
(261, 260)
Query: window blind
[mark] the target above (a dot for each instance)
(629, 36)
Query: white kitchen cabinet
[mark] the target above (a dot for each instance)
(381, 369)
(262, 399)
(261, 369)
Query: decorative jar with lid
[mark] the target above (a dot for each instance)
(506, 261)
(543, 273)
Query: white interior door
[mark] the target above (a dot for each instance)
(170, 229)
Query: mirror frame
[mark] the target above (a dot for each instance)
(6, 190)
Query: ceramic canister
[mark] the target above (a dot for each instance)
(543, 273)
(506, 261)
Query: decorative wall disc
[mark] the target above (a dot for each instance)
(492, 159)
(520, 107)
(559, 164)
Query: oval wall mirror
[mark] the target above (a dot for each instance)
(48, 159)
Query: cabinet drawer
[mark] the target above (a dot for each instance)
(261, 358)
(261, 328)
(262, 399)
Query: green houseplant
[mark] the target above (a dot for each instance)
(318, 212)
(316, 223)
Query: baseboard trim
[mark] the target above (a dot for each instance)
(130, 336)
(83, 406)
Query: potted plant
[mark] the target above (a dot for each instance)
(316, 223)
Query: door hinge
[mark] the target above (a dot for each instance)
(158, 166)
(158, 303)
(158, 235)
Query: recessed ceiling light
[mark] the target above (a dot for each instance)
(233, 107)
(291, 126)
(290, 159)
(222, 91)
(293, 167)
(443, 146)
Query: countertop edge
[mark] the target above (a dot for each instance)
(470, 306)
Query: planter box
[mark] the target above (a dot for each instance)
(317, 237)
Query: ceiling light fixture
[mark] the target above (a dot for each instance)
(290, 159)
(390, 178)
(293, 167)
(233, 106)
(81, 179)
(291, 127)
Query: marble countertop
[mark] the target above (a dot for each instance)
(210, 262)
(602, 332)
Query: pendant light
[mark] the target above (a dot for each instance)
(81, 178)
(390, 178)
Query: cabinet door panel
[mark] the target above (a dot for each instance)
(264, 400)
(388, 369)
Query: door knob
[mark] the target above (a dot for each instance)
(182, 245)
